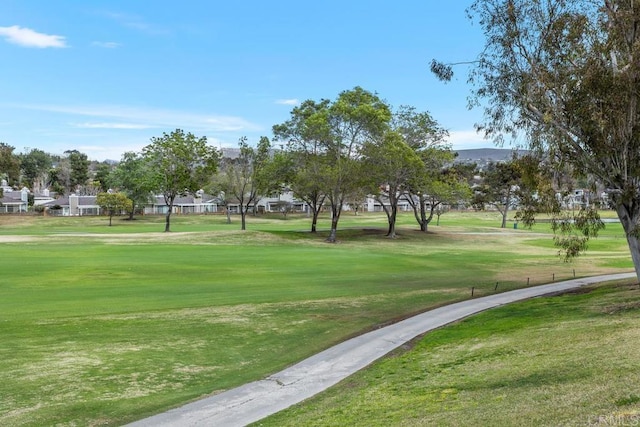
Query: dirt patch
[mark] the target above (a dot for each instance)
(576, 291)
(16, 239)
(621, 307)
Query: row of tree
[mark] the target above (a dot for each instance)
(332, 154)
(39, 170)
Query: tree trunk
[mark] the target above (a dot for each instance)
(629, 222)
(243, 216)
(389, 213)
(314, 221)
(167, 223)
(335, 217)
(504, 218)
(391, 233)
(506, 209)
(424, 222)
(228, 215)
(110, 216)
(169, 201)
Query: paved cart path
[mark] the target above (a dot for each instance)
(259, 399)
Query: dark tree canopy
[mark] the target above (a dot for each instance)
(35, 165)
(133, 176)
(9, 164)
(78, 169)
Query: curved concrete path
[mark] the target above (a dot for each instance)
(254, 401)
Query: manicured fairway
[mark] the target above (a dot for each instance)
(102, 325)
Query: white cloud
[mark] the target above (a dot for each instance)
(292, 101)
(29, 38)
(150, 117)
(111, 126)
(106, 45)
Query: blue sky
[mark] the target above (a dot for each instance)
(103, 77)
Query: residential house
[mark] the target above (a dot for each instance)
(72, 205)
(13, 201)
(199, 203)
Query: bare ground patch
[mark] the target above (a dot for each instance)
(17, 239)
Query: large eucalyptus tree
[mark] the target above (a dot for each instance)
(567, 74)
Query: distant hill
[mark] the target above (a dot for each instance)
(485, 155)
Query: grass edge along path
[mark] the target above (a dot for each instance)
(259, 399)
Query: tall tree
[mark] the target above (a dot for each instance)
(58, 178)
(446, 187)
(35, 166)
(500, 187)
(78, 169)
(426, 137)
(391, 165)
(566, 73)
(246, 178)
(354, 118)
(307, 135)
(9, 164)
(181, 163)
(220, 185)
(134, 177)
(101, 176)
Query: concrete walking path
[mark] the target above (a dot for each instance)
(251, 402)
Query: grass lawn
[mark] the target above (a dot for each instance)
(567, 360)
(103, 325)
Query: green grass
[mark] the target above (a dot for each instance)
(563, 360)
(103, 325)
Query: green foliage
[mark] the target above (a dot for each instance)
(500, 182)
(180, 163)
(34, 166)
(114, 203)
(354, 118)
(390, 166)
(78, 169)
(134, 177)
(573, 231)
(249, 177)
(9, 164)
(57, 180)
(306, 134)
(564, 73)
(102, 176)
(326, 139)
(442, 71)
